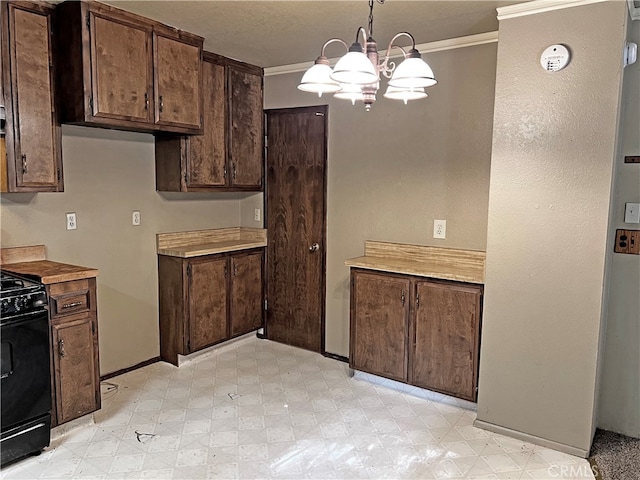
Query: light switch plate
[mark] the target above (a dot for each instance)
(632, 213)
(135, 218)
(256, 214)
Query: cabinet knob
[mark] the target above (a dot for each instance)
(161, 106)
(146, 100)
(314, 248)
(61, 348)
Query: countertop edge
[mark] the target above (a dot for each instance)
(191, 251)
(369, 263)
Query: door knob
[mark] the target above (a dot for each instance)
(314, 248)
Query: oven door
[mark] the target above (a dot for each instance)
(25, 377)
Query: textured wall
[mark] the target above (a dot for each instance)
(619, 408)
(393, 170)
(108, 174)
(554, 143)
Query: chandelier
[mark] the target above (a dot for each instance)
(356, 75)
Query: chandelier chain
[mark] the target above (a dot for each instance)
(371, 18)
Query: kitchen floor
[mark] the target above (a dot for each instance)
(258, 409)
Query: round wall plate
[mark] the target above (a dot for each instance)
(555, 57)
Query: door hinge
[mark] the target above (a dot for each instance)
(189, 270)
(265, 304)
(319, 114)
(266, 141)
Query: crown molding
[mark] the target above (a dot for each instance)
(440, 45)
(540, 6)
(633, 10)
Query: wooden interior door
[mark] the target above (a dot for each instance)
(121, 69)
(296, 165)
(447, 332)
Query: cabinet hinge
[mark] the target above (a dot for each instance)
(188, 345)
(93, 328)
(91, 103)
(88, 20)
(186, 178)
(58, 173)
(189, 270)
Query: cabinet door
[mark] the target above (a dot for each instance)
(33, 134)
(246, 135)
(121, 69)
(246, 293)
(207, 302)
(379, 324)
(207, 153)
(445, 350)
(178, 80)
(74, 345)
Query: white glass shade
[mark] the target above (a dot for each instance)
(354, 68)
(351, 92)
(404, 94)
(318, 80)
(412, 73)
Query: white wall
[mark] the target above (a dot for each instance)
(619, 408)
(554, 144)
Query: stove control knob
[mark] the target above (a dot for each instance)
(4, 306)
(20, 303)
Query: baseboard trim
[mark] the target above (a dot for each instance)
(561, 447)
(151, 361)
(335, 356)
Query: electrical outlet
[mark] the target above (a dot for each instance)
(71, 221)
(135, 218)
(256, 214)
(439, 229)
(627, 241)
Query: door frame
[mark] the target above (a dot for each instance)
(324, 111)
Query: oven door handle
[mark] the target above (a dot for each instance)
(23, 317)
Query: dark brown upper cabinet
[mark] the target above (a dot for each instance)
(33, 135)
(123, 71)
(228, 156)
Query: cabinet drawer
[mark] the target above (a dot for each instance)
(69, 297)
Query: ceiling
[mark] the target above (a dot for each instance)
(274, 33)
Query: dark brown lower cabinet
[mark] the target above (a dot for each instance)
(418, 331)
(208, 299)
(74, 349)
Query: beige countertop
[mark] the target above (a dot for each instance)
(208, 242)
(423, 261)
(30, 261)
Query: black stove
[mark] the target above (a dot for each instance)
(20, 295)
(25, 376)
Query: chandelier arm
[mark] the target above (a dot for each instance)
(386, 66)
(364, 35)
(329, 42)
(397, 35)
